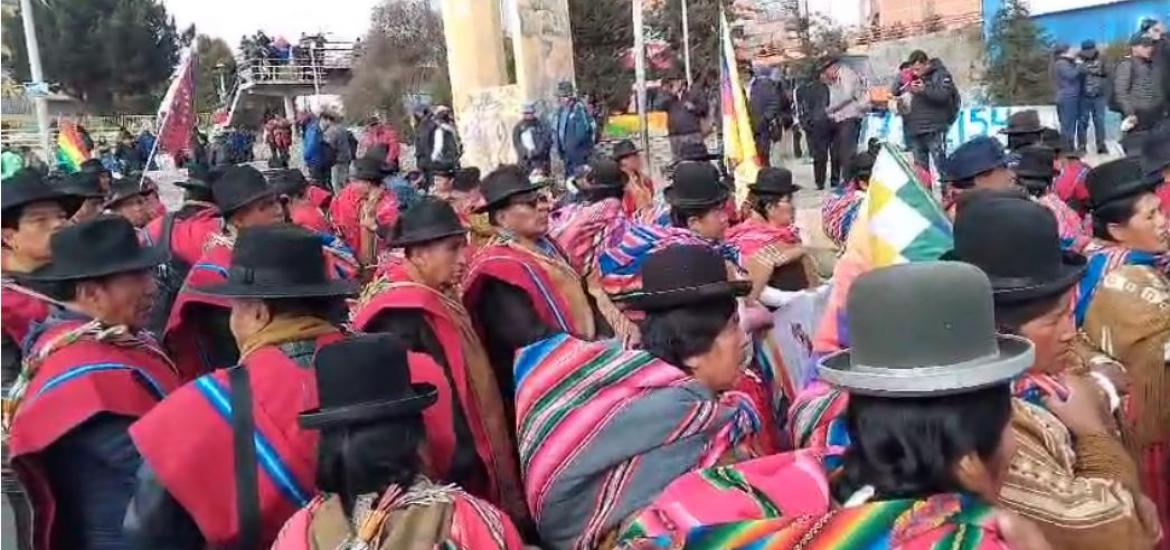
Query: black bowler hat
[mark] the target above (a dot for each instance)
(975, 157)
(605, 173)
(1115, 180)
(623, 149)
(696, 185)
(682, 275)
(238, 187)
(199, 176)
(106, 245)
(28, 186)
(288, 182)
(1051, 139)
(363, 379)
(278, 261)
(368, 169)
(84, 185)
(466, 179)
(861, 166)
(694, 151)
(444, 168)
(122, 189)
(1023, 122)
(826, 62)
(93, 166)
(1156, 153)
(503, 183)
(946, 344)
(774, 180)
(1015, 241)
(427, 220)
(1036, 162)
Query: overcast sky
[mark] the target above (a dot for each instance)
(231, 19)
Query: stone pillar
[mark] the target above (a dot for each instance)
(290, 108)
(475, 46)
(543, 48)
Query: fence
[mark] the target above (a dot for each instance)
(21, 130)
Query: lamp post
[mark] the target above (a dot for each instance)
(38, 78)
(686, 42)
(220, 70)
(640, 80)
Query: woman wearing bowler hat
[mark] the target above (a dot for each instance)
(192, 486)
(376, 492)
(928, 433)
(769, 241)
(1034, 171)
(1123, 305)
(89, 372)
(1059, 418)
(639, 190)
(362, 208)
(417, 300)
(576, 440)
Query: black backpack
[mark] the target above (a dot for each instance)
(169, 277)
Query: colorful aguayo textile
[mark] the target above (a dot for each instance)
(602, 431)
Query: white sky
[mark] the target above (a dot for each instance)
(231, 19)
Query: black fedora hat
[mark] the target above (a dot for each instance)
(774, 180)
(680, 275)
(199, 176)
(944, 345)
(466, 179)
(1051, 139)
(605, 173)
(122, 189)
(1036, 162)
(1023, 122)
(93, 166)
(975, 157)
(238, 187)
(443, 168)
(694, 151)
(503, 183)
(1116, 180)
(696, 185)
(278, 261)
(368, 169)
(827, 61)
(861, 165)
(28, 186)
(83, 184)
(106, 245)
(362, 379)
(623, 149)
(428, 219)
(1015, 241)
(288, 182)
(1156, 153)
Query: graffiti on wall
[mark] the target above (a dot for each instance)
(972, 122)
(544, 47)
(485, 120)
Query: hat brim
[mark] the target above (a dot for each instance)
(122, 198)
(504, 198)
(1014, 356)
(675, 297)
(425, 396)
(50, 194)
(147, 258)
(232, 209)
(624, 154)
(774, 192)
(192, 184)
(1125, 190)
(1013, 131)
(674, 200)
(337, 287)
(408, 240)
(1072, 267)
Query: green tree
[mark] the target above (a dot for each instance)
(1018, 58)
(603, 31)
(404, 56)
(115, 55)
(703, 19)
(212, 53)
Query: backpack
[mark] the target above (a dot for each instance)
(1111, 93)
(169, 276)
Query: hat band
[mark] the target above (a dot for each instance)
(264, 277)
(925, 370)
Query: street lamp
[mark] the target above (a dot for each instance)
(221, 70)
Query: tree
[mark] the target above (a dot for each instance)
(817, 36)
(115, 55)
(211, 52)
(603, 31)
(703, 19)
(1018, 58)
(403, 56)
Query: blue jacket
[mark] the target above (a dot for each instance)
(314, 153)
(574, 132)
(1067, 79)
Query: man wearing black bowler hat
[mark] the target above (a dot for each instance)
(362, 208)
(417, 300)
(282, 298)
(89, 372)
(197, 332)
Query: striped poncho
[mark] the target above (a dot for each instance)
(602, 431)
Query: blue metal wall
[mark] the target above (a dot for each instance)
(1104, 23)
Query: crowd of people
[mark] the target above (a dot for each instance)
(352, 357)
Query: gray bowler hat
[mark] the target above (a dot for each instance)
(923, 329)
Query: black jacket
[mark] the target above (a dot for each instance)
(684, 113)
(765, 104)
(812, 98)
(541, 137)
(932, 109)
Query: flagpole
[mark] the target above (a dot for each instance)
(686, 42)
(640, 82)
(154, 147)
(38, 77)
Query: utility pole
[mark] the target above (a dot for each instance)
(686, 42)
(640, 81)
(38, 78)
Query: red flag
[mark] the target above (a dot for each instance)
(177, 111)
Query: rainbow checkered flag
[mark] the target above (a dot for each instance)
(899, 221)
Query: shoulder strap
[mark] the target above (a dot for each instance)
(168, 225)
(247, 487)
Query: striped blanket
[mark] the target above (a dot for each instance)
(602, 431)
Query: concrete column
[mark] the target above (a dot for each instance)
(290, 108)
(475, 47)
(543, 48)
